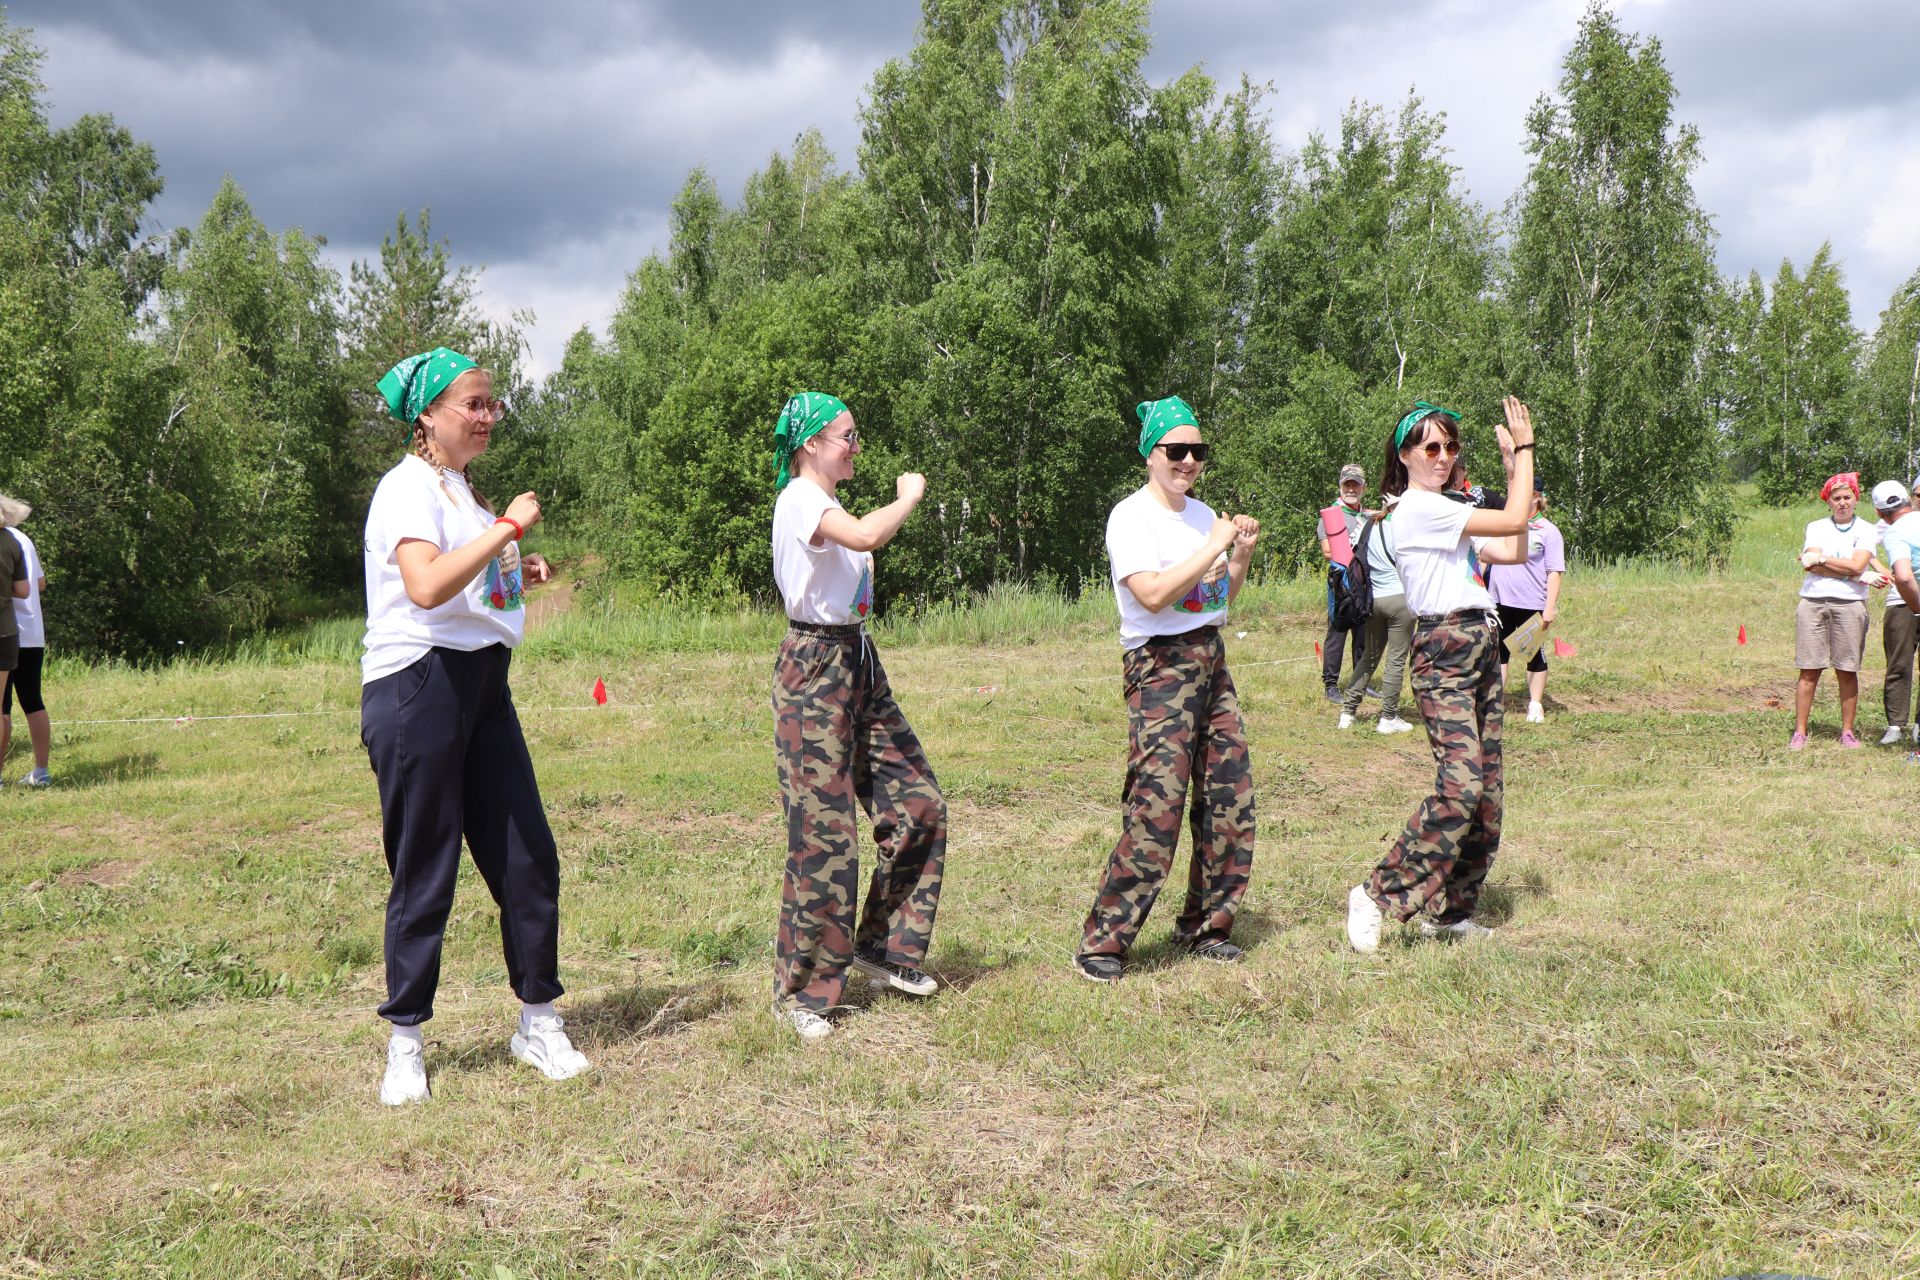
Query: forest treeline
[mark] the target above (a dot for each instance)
(1031, 238)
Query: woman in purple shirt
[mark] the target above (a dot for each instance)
(1522, 590)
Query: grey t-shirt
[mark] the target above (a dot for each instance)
(13, 568)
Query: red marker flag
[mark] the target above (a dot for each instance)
(600, 692)
(1743, 634)
(1316, 648)
(1561, 649)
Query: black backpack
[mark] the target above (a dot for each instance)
(1353, 586)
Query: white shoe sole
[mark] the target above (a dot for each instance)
(880, 973)
(817, 1028)
(522, 1048)
(1363, 921)
(1471, 932)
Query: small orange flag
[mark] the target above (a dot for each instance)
(1562, 649)
(600, 692)
(1316, 648)
(1743, 633)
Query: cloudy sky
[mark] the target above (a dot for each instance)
(549, 139)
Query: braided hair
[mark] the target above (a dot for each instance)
(423, 448)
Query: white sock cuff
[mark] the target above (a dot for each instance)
(408, 1033)
(528, 1012)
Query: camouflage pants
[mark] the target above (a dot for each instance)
(1437, 865)
(839, 737)
(1183, 723)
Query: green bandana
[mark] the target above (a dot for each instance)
(802, 418)
(1157, 417)
(411, 385)
(1420, 410)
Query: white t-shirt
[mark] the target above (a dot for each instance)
(828, 584)
(413, 502)
(1437, 561)
(1839, 543)
(1143, 536)
(33, 624)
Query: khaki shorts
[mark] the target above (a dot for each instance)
(1829, 633)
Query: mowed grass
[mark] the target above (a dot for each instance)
(1689, 1052)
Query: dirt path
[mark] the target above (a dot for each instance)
(548, 601)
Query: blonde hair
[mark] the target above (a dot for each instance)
(13, 511)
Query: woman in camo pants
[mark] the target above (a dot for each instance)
(839, 737)
(1435, 869)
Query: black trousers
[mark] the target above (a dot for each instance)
(450, 761)
(1511, 620)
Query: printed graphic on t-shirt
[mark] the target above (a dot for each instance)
(863, 594)
(503, 589)
(1206, 597)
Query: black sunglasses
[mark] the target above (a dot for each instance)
(1179, 452)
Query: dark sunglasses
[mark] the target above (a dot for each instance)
(1434, 448)
(1179, 452)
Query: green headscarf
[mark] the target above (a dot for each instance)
(1157, 417)
(1420, 410)
(802, 418)
(411, 385)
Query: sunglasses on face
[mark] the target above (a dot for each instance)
(1180, 452)
(1434, 448)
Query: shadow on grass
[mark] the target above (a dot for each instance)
(636, 1013)
(92, 773)
(1498, 901)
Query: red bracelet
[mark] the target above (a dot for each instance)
(518, 532)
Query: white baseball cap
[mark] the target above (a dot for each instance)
(1889, 494)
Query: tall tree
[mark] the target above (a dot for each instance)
(1793, 384)
(1889, 404)
(1610, 297)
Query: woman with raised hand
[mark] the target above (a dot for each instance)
(444, 613)
(839, 737)
(1435, 869)
(1176, 566)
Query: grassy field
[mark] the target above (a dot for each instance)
(1689, 1052)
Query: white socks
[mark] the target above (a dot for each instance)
(408, 1033)
(528, 1012)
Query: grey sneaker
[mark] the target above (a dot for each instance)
(1098, 968)
(1218, 950)
(1893, 734)
(898, 976)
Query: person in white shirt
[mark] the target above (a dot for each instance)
(1830, 622)
(1896, 531)
(840, 738)
(1434, 870)
(445, 609)
(1176, 567)
(25, 683)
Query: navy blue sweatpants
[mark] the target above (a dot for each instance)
(450, 761)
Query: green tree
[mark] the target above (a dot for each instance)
(1793, 380)
(1609, 297)
(1889, 404)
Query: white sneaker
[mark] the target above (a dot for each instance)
(1458, 931)
(544, 1046)
(1392, 724)
(1893, 734)
(406, 1078)
(1363, 920)
(1346, 720)
(809, 1024)
(1535, 715)
(39, 778)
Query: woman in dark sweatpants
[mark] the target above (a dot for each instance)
(444, 611)
(839, 737)
(1435, 869)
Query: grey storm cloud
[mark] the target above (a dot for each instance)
(549, 140)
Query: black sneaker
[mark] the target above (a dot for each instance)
(1098, 968)
(898, 976)
(1333, 693)
(1218, 950)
